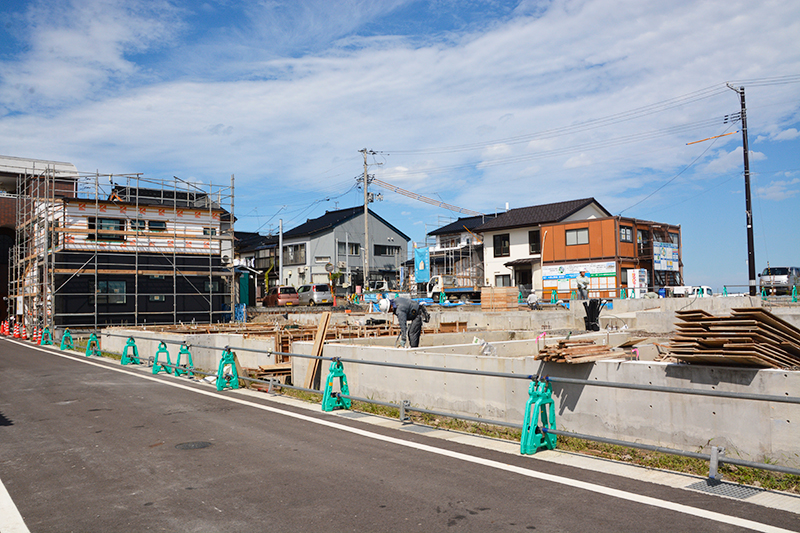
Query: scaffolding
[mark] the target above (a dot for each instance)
(94, 250)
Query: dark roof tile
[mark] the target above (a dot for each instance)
(538, 214)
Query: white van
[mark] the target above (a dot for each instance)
(779, 280)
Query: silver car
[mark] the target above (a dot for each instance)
(780, 280)
(315, 294)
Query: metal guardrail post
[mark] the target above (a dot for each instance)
(713, 465)
(404, 418)
(539, 407)
(130, 360)
(158, 367)
(330, 399)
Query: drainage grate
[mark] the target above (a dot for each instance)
(720, 488)
(197, 445)
(418, 429)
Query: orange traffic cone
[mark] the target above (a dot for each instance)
(24, 331)
(5, 328)
(16, 330)
(36, 338)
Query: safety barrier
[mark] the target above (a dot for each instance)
(159, 367)
(132, 359)
(66, 341)
(93, 346)
(539, 423)
(47, 337)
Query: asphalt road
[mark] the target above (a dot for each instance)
(89, 445)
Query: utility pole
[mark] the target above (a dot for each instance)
(751, 253)
(365, 284)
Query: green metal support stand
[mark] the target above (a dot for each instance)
(93, 347)
(330, 399)
(794, 294)
(539, 408)
(130, 360)
(158, 367)
(442, 298)
(66, 341)
(47, 337)
(724, 290)
(554, 297)
(623, 294)
(231, 380)
(573, 295)
(764, 294)
(179, 371)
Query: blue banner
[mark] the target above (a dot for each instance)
(422, 266)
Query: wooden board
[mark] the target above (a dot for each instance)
(315, 365)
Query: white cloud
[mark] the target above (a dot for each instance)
(581, 160)
(787, 135)
(779, 190)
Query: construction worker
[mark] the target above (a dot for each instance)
(583, 285)
(406, 311)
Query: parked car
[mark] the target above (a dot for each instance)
(780, 280)
(280, 296)
(315, 294)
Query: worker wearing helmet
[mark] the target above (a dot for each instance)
(406, 311)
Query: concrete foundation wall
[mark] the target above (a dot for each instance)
(203, 358)
(753, 430)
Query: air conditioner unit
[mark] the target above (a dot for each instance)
(301, 270)
(341, 264)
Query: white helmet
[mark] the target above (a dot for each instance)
(384, 305)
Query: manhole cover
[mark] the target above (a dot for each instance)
(192, 445)
(720, 488)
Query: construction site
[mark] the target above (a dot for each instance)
(99, 249)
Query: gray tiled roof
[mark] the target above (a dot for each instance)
(538, 214)
(330, 220)
(465, 222)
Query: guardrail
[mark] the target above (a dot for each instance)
(538, 425)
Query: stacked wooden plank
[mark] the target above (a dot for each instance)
(281, 372)
(748, 337)
(576, 351)
(499, 299)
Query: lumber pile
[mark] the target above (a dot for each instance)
(499, 299)
(750, 336)
(575, 352)
(281, 372)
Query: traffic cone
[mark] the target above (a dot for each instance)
(36, 338)
(24, 331)
(5, 328)
(16, 330)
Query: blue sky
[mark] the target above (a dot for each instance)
(477, 103)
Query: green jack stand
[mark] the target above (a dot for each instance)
(794, 294)
(553, 297)
(47, 338)
(133, 360)
(540, 406)
(158, 367)
(93, 348)
(573, 295)
(231, 380)
(724, 290)
(442, 298)
(66, 340)
(330, 399)
(189, 363)
(764, 294)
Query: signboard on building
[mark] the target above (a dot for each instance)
(563, 278)
(665, 256)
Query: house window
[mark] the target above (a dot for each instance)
(382, 249)
(157, 298)
(158, 225)
(502, 280)
(354, 248)
(577, 236)
(502, 246)
(675, 238)
(211, 286)
(322, 259)
(105, 227)
(534, 242)
(111, 292)
(294, 254)
(209, 231)
(625, 234)
(138, 225)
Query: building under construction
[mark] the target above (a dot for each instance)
(91, 250)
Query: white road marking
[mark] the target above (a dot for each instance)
(591, 487)
(10, 519)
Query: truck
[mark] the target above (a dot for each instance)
(690, 291)
(448, 285)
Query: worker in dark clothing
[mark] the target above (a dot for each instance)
(406, 311)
